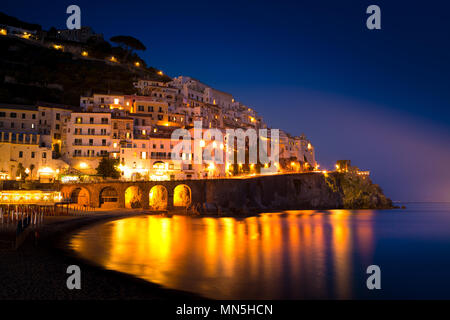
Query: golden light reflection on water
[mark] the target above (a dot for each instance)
(292, 254)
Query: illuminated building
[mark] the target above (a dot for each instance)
(36, 197)
(101, 102)
(88, 140)
(31, 139)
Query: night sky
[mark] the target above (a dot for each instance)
(380, 98)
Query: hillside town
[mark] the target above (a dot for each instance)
(69, 143)
(48, 141)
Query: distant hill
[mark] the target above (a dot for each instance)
(14, 22)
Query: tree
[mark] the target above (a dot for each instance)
(129, 43)
(99, 49)
(108, 168)
(20, 172)
(31, 170)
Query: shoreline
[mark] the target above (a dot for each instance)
(38, 272)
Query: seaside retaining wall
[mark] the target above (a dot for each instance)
(287, 191)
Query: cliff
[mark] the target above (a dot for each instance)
(296, 191)
(357, 192)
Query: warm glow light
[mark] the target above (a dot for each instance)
(29, 197)
(67, 179)
(45, 170)
(137, 64)
(202, 143)
(182, 196)
(160, 73)
(58, 47)
(116, 100)
(309, 146)
(113, 59)
(83, 165)
(3, 32)
(84, 53)
(214, 144)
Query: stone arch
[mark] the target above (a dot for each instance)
(158, 196)
(182, 196)
(80, 196)
(109, 198)
(133, 197)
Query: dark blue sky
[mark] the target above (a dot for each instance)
(380, 98)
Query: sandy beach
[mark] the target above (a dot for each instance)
(37, 269)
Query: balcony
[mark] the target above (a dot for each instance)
(92, 124)
(160, 157)
(90, 145)
(90, 155)
(91, 134)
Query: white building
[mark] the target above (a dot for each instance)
(88, 140)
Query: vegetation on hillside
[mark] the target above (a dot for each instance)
(129, 44)
(14, 22)
(358, 191)
(31, 73)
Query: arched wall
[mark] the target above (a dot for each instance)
(133, 197)
(80, 196)
(109, 198)
(182, 196)
(158, 197)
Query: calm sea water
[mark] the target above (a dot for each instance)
(285, 255)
